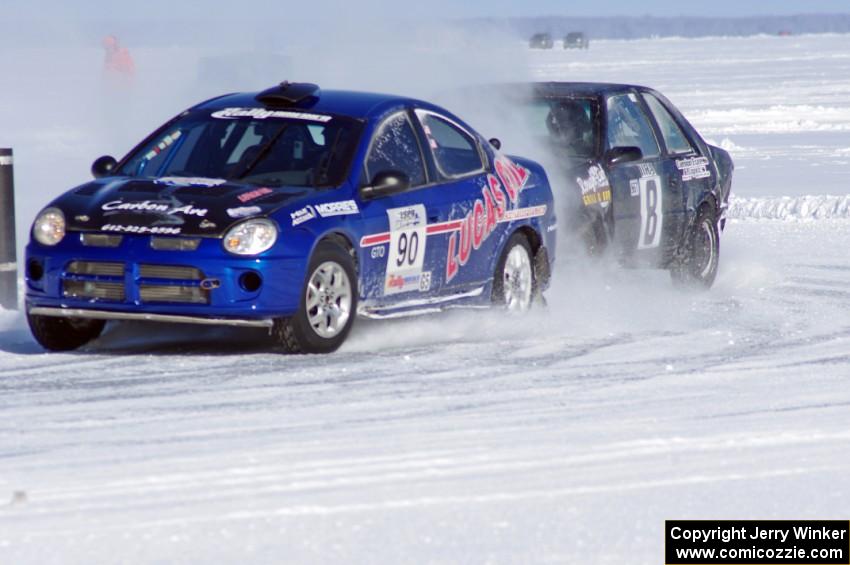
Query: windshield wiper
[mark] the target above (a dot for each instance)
(263, 153)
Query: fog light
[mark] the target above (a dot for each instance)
(250, 281)
(35, 270)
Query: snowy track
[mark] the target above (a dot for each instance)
(564, 437)
(568, 437)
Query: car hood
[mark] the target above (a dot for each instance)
(170, 206)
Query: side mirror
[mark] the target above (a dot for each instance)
(618, 155)
(386, 183)
(494, 141)
(103, 166)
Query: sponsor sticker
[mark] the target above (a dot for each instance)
(595, 189)
(189, 181)
(153, 206)
(142, 230)
(244, 211)
(263, 114)
(634, 187)
(305, 214)
(647, 170)
(163, 145)
(254, 194)
(694, 168)
(341, 208)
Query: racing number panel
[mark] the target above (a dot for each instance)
(649, 197)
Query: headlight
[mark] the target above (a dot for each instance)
(49, 226)
(251, 237)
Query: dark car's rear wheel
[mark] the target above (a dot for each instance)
(514, 284)
(63, 334)
(327, 307)
(698, 265)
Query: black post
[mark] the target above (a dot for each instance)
(8, 246)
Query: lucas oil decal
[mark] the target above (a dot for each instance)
(465, 235)
(408, 237)
(486, 212)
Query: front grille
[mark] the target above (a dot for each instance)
(96, 268)
(113, 291)
(174, 243)
(170, 284)
(100, 240)
(170, 272)
(170, 293)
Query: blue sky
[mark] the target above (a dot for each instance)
(250, 9)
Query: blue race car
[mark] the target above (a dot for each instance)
(292, 209)
(639, 177)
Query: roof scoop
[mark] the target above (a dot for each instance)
(288, 93)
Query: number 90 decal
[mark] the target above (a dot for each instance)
(651, 213)
(408, 238)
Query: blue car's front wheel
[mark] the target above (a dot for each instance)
(63, 334)
(328, 304)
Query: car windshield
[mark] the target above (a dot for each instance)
(251, 145)
(568, 125)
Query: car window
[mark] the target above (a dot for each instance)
(673, 136)
(566, 124)
(395, 148)
(245, 145)
(628, 126)
(455, 151)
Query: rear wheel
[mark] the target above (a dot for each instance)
(514, 285)
(328, 304)
(63, 334)
(698, 266)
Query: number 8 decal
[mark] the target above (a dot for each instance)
(651, 213)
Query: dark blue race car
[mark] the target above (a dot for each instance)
(639, 178)
(293, 209)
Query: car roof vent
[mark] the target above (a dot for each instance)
(287, 93)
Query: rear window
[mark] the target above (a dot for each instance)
(455, 151)
(674, 137)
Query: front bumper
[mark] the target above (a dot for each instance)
(135, 281)
(142, 317)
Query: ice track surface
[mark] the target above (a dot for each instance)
(568, 436)
(565, 437)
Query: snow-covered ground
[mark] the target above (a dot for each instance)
(565, 437)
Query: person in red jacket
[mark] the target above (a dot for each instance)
(118, 61)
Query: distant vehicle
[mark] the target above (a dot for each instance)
(642, 180)
(541, 41)
(576, 40)
(292, 209)
(785, 33)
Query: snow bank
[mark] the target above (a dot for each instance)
(774, 119)
(810, 207)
